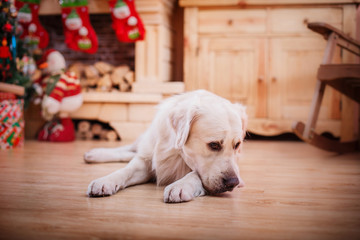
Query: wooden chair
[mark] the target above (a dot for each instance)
(343, 77)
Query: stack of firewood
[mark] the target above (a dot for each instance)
(103, 76)
(89, 131)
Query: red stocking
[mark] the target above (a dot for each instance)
(126, 21)
(79, 34)
(31, 29)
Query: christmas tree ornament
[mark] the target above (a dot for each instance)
(61, 95)
(126, 21)
(7, 27)
(31, 29)
(79, 34)
(26, 65)
(13, 11)
(5, 58)
(5, 9)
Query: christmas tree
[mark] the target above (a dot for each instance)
(11, 47)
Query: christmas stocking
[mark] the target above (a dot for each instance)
(126, 21)
(79, 34)
(30, 28)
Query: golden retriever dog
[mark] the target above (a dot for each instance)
(192, 147)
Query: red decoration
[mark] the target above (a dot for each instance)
(126, 21)
(7, 27)
(79, 34)
(5, 57)
(11, 123)
(32, 31)
(4, 50)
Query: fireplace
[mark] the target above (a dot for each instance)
(156, 61)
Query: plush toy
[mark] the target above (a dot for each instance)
(61, 95)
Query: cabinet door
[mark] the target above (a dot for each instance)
(294, 63)
(234, 69)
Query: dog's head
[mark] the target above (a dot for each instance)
(210, 134)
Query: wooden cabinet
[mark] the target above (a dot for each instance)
(225, 65)
(264, 57)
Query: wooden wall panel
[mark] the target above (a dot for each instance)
(296, 20)
(293, 77)
(223, 3)
(190, 47)
(231, 21)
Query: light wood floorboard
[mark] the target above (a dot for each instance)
(293, 191)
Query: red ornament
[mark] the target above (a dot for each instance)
(7, 27)
(4, 50)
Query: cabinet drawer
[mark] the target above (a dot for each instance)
(295, 20)
(220, 21)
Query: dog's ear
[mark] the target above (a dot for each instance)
(181, 120)
(243, 116)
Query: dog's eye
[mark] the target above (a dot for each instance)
(237, 145)
(215, 146)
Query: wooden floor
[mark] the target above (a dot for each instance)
(293, 191)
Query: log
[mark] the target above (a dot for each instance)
(92, 82)
(111, 135)
(96, 128)
(103, 67)
(129, 77)
(128, 80)
(118, 74)
(124, 87)
(103, 76)
(104, 84)
(80, 135)
(84, 126)
(91, 72)
(77, 68)
(103, 134)
(89, 135)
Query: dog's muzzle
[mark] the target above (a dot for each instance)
(230, 183)
(227, 184)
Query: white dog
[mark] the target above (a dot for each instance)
(192, 146)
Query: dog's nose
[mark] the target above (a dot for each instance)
(230, 183)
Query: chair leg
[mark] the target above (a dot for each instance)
(323, 142)
(314, 109)
(307, 132)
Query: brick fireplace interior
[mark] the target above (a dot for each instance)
(110, 49)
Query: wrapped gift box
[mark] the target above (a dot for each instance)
(11, 121)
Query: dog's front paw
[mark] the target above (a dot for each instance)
(177, 192)
(102, 187)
